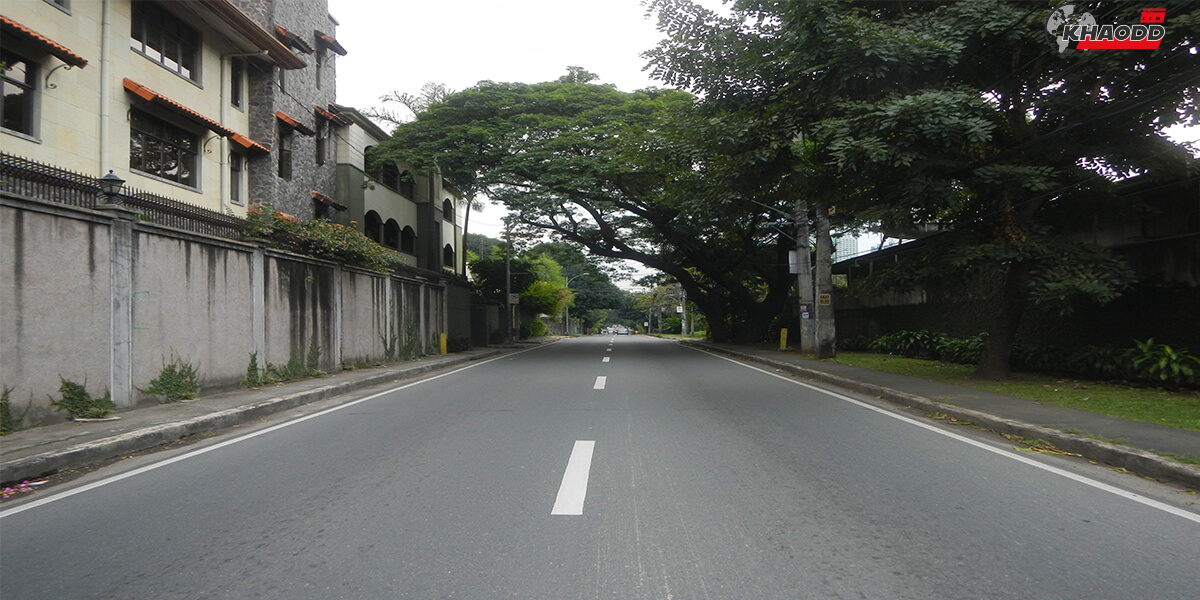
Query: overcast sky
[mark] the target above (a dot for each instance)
(401, 46)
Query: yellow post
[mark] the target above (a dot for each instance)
(783, 338)
(442, 342)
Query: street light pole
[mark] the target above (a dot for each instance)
(567, 309)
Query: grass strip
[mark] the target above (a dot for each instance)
(1161, 407)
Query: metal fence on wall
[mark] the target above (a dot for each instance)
(40, 181)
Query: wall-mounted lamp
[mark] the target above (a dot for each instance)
(111, 186)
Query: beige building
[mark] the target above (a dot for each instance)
(418, 215)
(156, 92)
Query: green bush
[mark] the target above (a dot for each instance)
(8, 421)
(532, 329)
(1163, 365)
(964, 351)
(911, 344)
(854, 343)
(176, 381)
(79, 404)
(321, 238)
(1101, 362)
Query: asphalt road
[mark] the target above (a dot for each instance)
(603, 467)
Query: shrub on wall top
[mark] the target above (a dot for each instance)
(321, 238)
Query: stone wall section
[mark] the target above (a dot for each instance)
(301, 90)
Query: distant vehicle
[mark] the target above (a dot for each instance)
(619, 330)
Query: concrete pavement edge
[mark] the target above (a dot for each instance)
(86, 453)
(1138, 461)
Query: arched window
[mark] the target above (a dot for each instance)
(373, 227)
(405, 185)
(448, 211)
(448, 256)
(408, 240)
(391, 234)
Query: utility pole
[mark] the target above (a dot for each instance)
(826, 332)
(508, 305)
(804, 279)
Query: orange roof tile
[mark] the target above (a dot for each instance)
(293, 40)
(150, 95)
(54, 48)
(329, 42)
(294, 124)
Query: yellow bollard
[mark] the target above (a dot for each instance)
(783, 338)
(442, 342)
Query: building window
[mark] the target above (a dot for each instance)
(19, 81)
(322, 141)
(406, 185)
(448, 256)
(408, 240)
(163, 38)
(237, 75)
(286, 137)
(236, 166)
(320, 66)
(391, 234)
(373, 227)
(282, 80)
(447, 211)
(159, 148)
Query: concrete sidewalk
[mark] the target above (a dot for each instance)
(1065, 428)
(39, 451)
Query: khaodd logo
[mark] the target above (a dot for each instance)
(1067, 27)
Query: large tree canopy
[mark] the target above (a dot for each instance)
(966, 116)
(620, 174)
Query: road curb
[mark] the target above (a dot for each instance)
(1138, 461)
(86, 453)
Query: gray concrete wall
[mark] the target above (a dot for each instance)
(98, 298)
(55, 304)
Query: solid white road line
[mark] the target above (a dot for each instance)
(575, 480)
(600, 382)
(158, 465)
(1179, 512)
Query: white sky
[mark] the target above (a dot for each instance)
(402, 45)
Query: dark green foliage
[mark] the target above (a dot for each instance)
(911, 344)
(178, 380)
(8, 422)
(253, 372)
(1163, 365)
(458, 344)
(532, 329)
(1100, 362)
(961, 350)
(79, 404)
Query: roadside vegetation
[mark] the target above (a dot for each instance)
(1179, 408)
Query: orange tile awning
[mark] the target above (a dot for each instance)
(249, 144)
(327, 201)
(154, 97)
(293, 40)
(52, 47)
(328, 42)
(294, 124)
(331, 116)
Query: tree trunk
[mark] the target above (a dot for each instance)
(995, 359)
